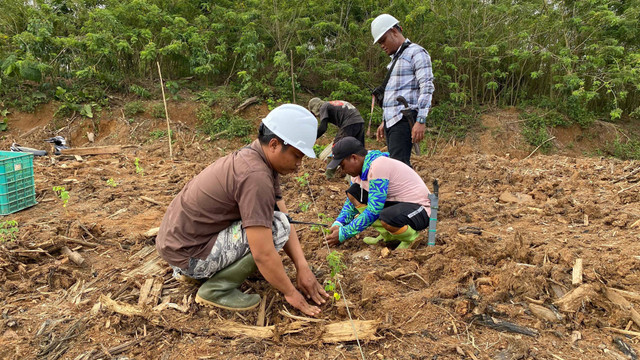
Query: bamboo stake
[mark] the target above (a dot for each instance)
(166, 113)
(293, 86)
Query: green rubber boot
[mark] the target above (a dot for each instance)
(384, 234)
(406, 238)
(221, 290)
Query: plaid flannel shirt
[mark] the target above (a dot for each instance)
(412, 77)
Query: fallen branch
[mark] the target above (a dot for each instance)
(148, 199)
(633, 172)
(335, 332)
(250, 101)
(300, 318)
(623, 332)
(78, 241)
(502, 325)
(536, 149)
(630, 187)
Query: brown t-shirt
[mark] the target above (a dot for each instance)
(239, 186)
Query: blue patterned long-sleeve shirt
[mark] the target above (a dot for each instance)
(378, 188)
(412, 77)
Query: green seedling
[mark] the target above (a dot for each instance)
(304, 206)
(63, 194)
(318, 149)
(112, 182)
(336, 265)
(8, 230)
(303, 179)
(325, 219)
(139, 169)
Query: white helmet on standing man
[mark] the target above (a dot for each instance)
(382, 24)
(295, 125)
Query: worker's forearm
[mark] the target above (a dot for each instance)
(294, 250)
(270, 266)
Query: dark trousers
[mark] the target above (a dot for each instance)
(399, 140)
(355, 130)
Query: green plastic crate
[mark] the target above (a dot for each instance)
(17, 189)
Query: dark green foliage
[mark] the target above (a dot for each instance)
(317, 149)
(579, 57)
(629, 150)
(140, 91)
(225, 125)
(453, 121)
(157, 111)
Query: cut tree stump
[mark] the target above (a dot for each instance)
(574, 299)
(96, 150)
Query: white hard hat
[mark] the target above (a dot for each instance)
(381, 25)
(295, 125)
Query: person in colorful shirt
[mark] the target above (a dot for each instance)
(385, 193)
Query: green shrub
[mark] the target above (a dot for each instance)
(140, 91)
(8, 230)
(629, 150)
(133, 108)
(157, 111)
(228, 126)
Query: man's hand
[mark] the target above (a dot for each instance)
(296, 300)
(380, 132)
(417, 133)
(310, 287)
(334, 238)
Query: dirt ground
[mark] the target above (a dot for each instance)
(511, 228)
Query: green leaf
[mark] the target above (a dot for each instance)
(86, 111)
(30, 71)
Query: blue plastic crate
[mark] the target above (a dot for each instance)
(17, 188)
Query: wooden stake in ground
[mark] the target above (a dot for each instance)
(166, 113)
(577, 272)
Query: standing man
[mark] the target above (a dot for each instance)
(411, 78)
(385, 194)
(222, 226)
(341, 114)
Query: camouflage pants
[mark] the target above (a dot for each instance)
(232, 245)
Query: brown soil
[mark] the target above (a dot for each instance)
(510, 230)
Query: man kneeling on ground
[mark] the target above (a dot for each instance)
(385, 193)
(222, 225)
